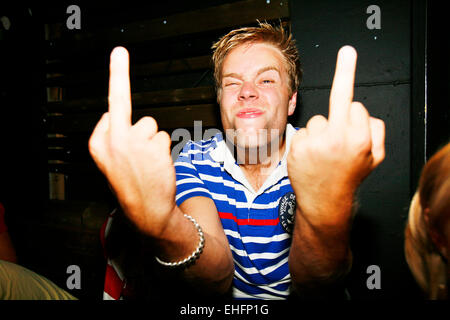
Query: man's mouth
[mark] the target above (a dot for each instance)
(249, 113)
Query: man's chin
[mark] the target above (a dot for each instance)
(250, 141)
(250, 137)
(247, 145)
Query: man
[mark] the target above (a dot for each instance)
(217, 213)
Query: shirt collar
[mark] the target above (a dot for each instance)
(223, 154)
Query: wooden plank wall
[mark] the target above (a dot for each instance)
(171, 80)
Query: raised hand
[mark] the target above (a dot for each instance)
(134, 158)
(330, 157)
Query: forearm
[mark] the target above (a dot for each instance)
(214, 268)
(320, 253)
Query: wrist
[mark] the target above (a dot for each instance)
(332, 237)
(175, 224)
(189, 260)
(178, 239)
(327, 214)
(152, 222)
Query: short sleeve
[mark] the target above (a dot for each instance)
(188, 182)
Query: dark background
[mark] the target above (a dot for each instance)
(402, 78)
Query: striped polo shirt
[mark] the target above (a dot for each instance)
(259, 243)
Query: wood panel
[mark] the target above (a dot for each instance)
(164, 97)
(196, 21)
(136, 70)
(167, 118)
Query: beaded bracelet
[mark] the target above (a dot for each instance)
(194, 256)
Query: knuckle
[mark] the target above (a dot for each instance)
(164, 138)
(364, 152)
(380, 124)
(364, 144)
(150, 121)
(335, 145)
(331, 98)
(359, 108)
(382, 155)
(165, 135)
(317, 119)
(361, 141)
(294, 145)
(93, 144)
(117, 147)
(146, 125)
(297, 143)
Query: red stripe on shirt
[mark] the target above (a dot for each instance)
(251, 222)
(113, 284)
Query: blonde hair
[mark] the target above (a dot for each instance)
(266, 33)
(426, 263)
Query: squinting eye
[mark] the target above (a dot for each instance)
(268, 81)
(230, 84)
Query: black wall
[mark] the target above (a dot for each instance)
(383, 84)
(438, 77)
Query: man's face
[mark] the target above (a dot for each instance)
(254, 99)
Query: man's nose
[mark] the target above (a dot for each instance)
(248, 91)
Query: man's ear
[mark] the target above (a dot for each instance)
(292, 104)
(436, 237)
